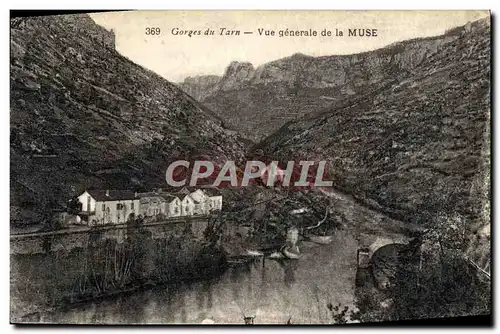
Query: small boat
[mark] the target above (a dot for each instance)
(254, 253)
(276, 255)
(295, 254)
(208, 322)
(299, 211)
(321, 239)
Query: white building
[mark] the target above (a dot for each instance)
(201, 201)
(157, 203)
(187, 206)
(214, 199)
(100, 207)
(172, 206)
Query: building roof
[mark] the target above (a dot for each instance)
(112, 195)
(195, 200)
(186, 190)
(211, 191)
(182, 197)
(149, 194)
(115, 195)
(168, 197)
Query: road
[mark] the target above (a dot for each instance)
(85, 228)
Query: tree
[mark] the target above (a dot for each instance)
(444, 285)
(74, 206)
(18, 22)
(431, 281)
(450, 233)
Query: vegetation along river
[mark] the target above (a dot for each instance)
(272, 291)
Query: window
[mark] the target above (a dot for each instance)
(103, 206)
(132, 206)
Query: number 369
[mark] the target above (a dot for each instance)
(153, 31)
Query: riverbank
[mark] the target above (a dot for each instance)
(213, 269)
(271, 290)
(81, 267)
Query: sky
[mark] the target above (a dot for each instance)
(177, 56)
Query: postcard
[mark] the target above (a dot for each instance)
(250, 167)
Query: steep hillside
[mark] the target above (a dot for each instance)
(258, 101)
(83, 116)
(410, 146)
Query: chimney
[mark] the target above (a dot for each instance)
(135, 194)
(107, 193)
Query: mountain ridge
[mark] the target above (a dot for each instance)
(412, 147)
(290, 87)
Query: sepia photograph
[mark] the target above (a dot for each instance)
(250, 167)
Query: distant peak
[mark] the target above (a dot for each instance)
(239, 68)
(300, 55)
(242, 64)
(197, 78)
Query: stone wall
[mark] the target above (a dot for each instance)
(68, 240)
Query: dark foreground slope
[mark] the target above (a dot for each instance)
(83, 116)
(412, 146)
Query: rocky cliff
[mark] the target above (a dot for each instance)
(258, 101)
(200, 86)
(82, 115)
(415, 141)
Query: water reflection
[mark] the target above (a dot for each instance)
(272, 291)
(209, 293)
(169, 314)
(182, 307)
(289, 268)
(236, 275)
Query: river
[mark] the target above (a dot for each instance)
(271, 290)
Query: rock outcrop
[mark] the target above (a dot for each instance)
(236, 76)
(257, 102)
(413, 143)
